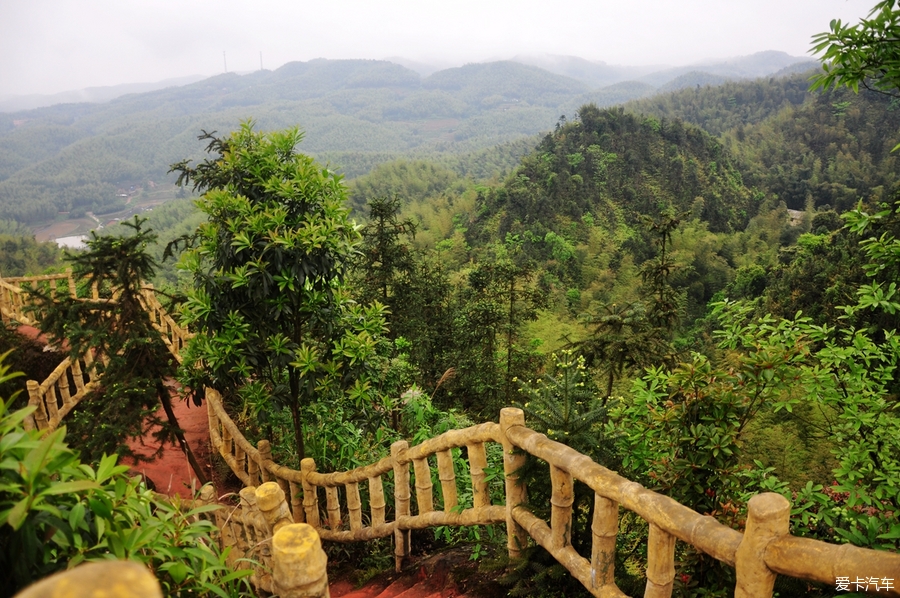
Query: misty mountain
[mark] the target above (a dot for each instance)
(355, 114)
(692, 79)
(594, 73)
(15, 103)
(761, 64)
(600, 74)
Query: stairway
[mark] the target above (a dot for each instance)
(444, 575)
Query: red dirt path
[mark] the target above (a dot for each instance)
(170, 472)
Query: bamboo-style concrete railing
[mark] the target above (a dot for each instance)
(14, 301)
(764, 549)
(175, 337)
(291, 559)
(286, 557)
(63, 389)
(72, 379)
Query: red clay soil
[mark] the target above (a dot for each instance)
(170, 472)
(446, 574)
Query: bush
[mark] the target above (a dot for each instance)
(57, 512)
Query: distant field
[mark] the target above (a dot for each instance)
(140, 201)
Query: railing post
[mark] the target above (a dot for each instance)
(298, 563)
(265, 454)
(73, 292)
(604, 528)
(310, 498)
(98, 579)
(270, 501)
(768, 517)
(562, 497)
(401, 501)
(516, 492)
(34, 398)
(660, 563)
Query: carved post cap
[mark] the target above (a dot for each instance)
(298, 558)
(269, 496)
(308, 464)
(248, 495)
(512, 416)
(97, 580)
(769, 506)
(208, 493)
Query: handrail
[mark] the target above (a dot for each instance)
(764, 549)
(63, 389)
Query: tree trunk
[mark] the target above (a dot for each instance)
(166, 400)
(294, 381)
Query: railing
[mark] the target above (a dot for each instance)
(72, 379)
(14, 304)
(175, 337)
(63, 389)
(763, 550)
(291, 555)
(262, 536)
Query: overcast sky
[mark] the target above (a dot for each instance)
(48, 46)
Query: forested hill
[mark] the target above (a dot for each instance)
(607, 168)
(76, 157)
(829, 149)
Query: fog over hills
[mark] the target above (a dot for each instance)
(594, 74)
(78, 157)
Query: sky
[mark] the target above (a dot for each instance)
(48, 46)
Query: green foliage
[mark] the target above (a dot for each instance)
(117, 327)
(20, 254)
(57, 512)
(863, 54)
(269, 303)
(566, 407)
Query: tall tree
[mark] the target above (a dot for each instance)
(269, 304)
(117, 327)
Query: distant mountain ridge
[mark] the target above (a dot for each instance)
(16, 103)
(355, 114)
(595, 74)
(600, 74)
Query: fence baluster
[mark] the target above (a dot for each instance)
(603, 546)
(50, 400)
(660, 563)
(401, 501)
(252, 470)
(376, 500)
(448, 480)
(35, 398)
(424, 492)
(296, 502)
(354, 506)
(77, 376)
(333, 506)
(561, 499)
(477, 463)
(310, 497)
